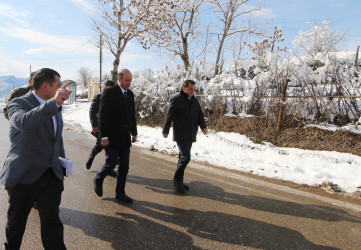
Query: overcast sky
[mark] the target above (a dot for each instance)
(56, 33)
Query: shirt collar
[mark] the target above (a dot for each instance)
(123, 90)
(41, 101)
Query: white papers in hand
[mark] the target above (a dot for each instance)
(67, 164)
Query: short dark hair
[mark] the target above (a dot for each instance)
(32, 74)
(187, 82)
(44, 75)
(109, 83)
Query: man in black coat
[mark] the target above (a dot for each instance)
(93, 115)
(118, 129)
(186, 114)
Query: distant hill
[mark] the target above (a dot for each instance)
(7, 83)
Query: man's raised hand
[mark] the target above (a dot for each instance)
(62, 94)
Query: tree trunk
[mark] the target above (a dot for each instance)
(216, 69)
(114, 72)
(185, 56)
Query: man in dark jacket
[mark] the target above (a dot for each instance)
(93, 115)
(17, 93)
(186, 114)
(118, 129)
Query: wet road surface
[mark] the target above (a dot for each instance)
(222, 209)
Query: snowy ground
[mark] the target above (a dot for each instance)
(235, 151)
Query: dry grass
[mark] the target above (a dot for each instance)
(294, 135)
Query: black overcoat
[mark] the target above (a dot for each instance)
(94, 110)
(117, 117)
(186, 115)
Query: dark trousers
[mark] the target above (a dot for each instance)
(97, 148)
(114, 156)
(184, 159)
(46, 192)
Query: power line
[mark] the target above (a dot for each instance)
(313, 20)
(45, 59)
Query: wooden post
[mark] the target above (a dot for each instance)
(356, 67)
(356, 57)
(282, 108)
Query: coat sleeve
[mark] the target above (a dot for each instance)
(172, 109)
(133, 130)
(201, 121)
(104, 113)
(93, 111)
(25, 118)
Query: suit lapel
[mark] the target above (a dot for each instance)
(118, 92)
(58, 129)
(33, 99)
(47, 123)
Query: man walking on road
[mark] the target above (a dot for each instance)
(186, 114)
(94, 117)
(116, 126)
(32, 172)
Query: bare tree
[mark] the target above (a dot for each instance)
(84, 76)
(182, 31)
(227, 13)
(119, 21)
(106, 76)
(320, 39)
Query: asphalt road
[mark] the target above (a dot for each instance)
(222, 210)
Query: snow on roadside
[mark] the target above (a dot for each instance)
(237, 152)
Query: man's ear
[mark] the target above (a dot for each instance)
(44, 86)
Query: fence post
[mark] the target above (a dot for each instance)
(356, 57)
(282, 108)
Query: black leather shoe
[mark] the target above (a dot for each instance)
(89, 163)
(185, 187)
(124, 197)
(113, 173)
(98, 187)
(178, 186)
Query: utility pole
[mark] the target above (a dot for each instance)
(205, 49)
(30, 69)
(100, 62)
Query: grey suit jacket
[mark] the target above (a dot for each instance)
(34, 147)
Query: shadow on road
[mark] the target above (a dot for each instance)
(227, 228)
(209, 191)
(130, 231)
(126, 231)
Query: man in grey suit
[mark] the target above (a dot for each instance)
(31, 172)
